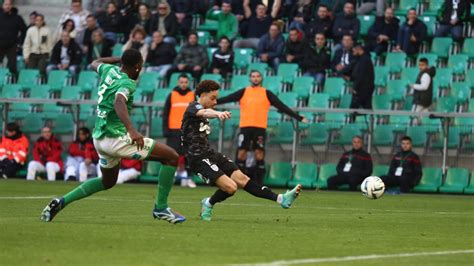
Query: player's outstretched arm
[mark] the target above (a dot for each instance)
(283, 107)
(120, 106)
(210, 113)
(104, 60)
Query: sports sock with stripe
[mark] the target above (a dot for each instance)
(260, 191)
(85, 189)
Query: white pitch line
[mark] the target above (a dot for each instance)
(357, 258)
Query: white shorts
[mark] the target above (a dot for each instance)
(112, 150)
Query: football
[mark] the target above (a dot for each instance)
(372, 187)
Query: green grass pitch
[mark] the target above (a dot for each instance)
(116, 228)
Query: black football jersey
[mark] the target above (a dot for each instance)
(195, 131)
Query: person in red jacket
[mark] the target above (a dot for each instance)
(13, 151)
(46, 156)
(82, 159)
(130, 169)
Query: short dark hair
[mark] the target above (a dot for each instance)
(12, 126)
(348, 35)
(411, 9)
(131, 57)
(192, 33)
(254, 71)
(406, 138)
(90, 16)
(424, 60)
(183, 76)
(323, 6)
(358, 137)
(206, 86)
(224, 38)
(85, 130)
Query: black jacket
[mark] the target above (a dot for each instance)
(87, 38)
(315, 61)
(167, 132)
(344, 25)
(74, 52)
(418, 28)
(12, 28)
(110, 22)
(105, 52)
(319, 26)
(381, 27)
(463, 12)
(223, 61)
(362, 75)
(411, 164)
(136, 20)
(337, 60)
(361, 164)
(163, 54)
(306, 13)
(424, 98)
(171, 24)
(296, 49)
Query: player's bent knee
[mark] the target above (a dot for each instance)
(259, 155)
(240, 178)
(230, 188)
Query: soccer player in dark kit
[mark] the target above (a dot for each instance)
(213, 167)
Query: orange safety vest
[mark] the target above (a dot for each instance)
(179, 103)
(254, 107)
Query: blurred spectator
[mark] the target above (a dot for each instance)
(110, 21)
(405, 169)
(78, 16)
(173, 112)
(346, 23)
(82, 159)
(336, 7)
(343, 58)
(46, 156)
(317, 59)
(184, 10)
(301, 13)
(412, 33)
(68, 26)
(160, 55)
(295, 47)
(191, 58)
(87, 36)
(270, 46)
(367, 6)
(451, 17)
(130, 169)
(254, 26)
(321, 24)
(165, 22)
(38, 45)
(142, 18)
(228, 24)
(12, 26)
(423, 88)
(383, 31)
(100, 47)
(223, 58)
(137, 41)
(353, 167)
(97, 6)
(32, 19)
(237, 7)
(13, 151)
(66, 55)
(362, 76)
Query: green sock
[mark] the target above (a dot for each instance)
(165, 182)
(86, 189)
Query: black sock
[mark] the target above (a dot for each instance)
(241, 165)
(219, 196)
(260, 172)
(258, 191)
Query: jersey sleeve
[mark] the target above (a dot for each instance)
(127, 89)
(193, 108)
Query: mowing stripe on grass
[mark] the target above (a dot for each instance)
(364, 257)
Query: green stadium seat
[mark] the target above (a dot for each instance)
(461, 91)
(432, 58)
(288, 72)
(345, 101)
(408, 103)
(175, 77)
(11, 91)
(470, 77)
(317, 135)
(431, 125)
(430, 181)
(4, 75)
(397, 89)
(260, 67)
(471, 107)
(465, 125)
(334, 120)
(40, 91)
(409, 74)
(347, 132)
(204, 37)
(383, 135)
(454, 140)
(395, 62)
(318, 100)
(446, 104)
(381, 75)
(32, 124)
(210, 53)
(456, 180)
(282, 133)
(239, 82)
(289, 98)
(50, 110)
(325, 172)
(160, 95)
(28, 77)
(210, 23)
(279, 175)
(274, 118)
(88, 80)
(117, 50)
(430, 22)
(87, 110)
(404, 6)
(441, 46)
(214, 77)
(58, 79)
(63, 124)
(443, 77)
(303, 86)
(71, 93)
(242, 57)
(334, 87)
(366, 22)
(156, 130)
(380, 170)
(306, 174)
(149, 81)
(216, 126)
(150, 173)
(433, 7)
(272, 83)
(89, 122)
(470, 189)
(468, 47)
(458, 63)
(418, 135)
(382, 102)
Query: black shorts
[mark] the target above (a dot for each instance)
(251, 138)
(209, 168)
